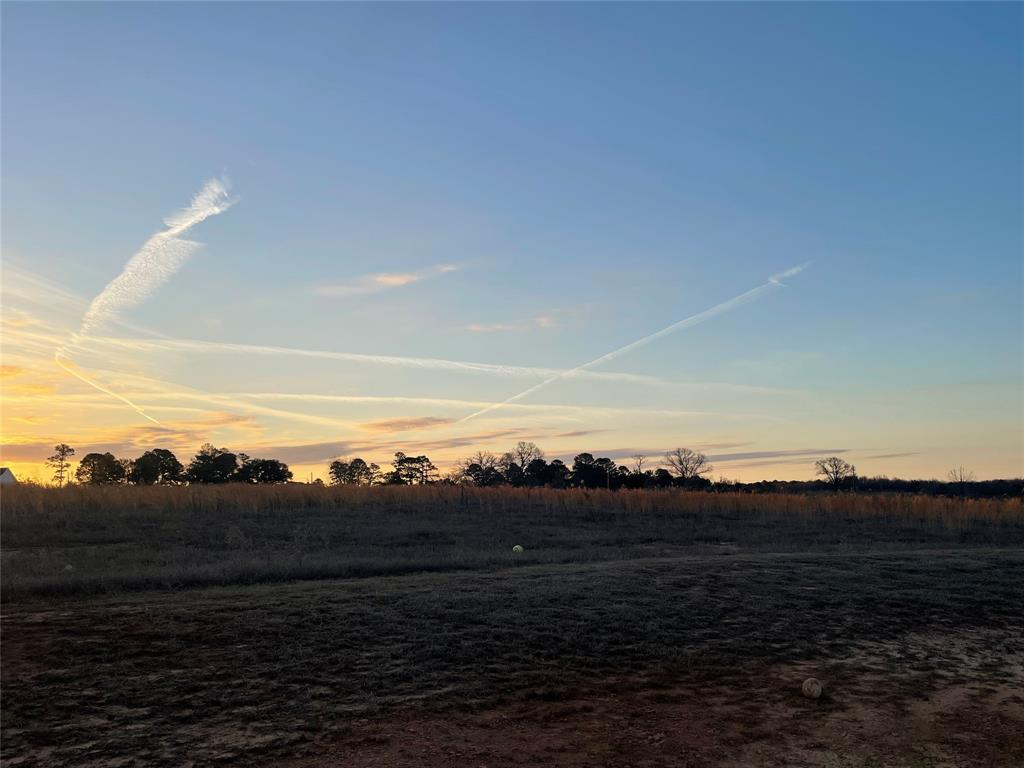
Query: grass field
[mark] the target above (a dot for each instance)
(95, 539)
(303, 626)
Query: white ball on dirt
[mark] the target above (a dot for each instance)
(812, 688)
(517, 548)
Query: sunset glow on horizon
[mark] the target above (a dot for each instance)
(613, 259)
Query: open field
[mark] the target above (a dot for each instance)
(662, 630)
(95, 539)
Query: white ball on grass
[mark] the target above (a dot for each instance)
(517, 548)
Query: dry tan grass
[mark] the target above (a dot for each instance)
(126, 537)
(72, 502)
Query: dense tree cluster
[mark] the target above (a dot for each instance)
(161, 467)
(526, 466)
(354, 472)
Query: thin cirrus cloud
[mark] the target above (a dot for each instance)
(541, 321)
(136, 439)
(545, 321)
(405, 424)
(789, 453)
(381, 281)
(313, 453)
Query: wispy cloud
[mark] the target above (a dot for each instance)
(405, 424)
(315, 453)
(381, 281)
(10, 371)
(540, 321)
(790, 452)
(158, 259)
(152, 266)
(493, 327)
(133, 440)
(34, 388)
(775, 281)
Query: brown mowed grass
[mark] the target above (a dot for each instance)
(665, 661)
(89, 539)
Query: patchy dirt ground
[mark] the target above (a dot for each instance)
(689, 661)
(741, 717)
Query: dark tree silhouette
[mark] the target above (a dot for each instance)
(62, 452)
(608, 473)
(483, 476)
(537, 473)
(99, 469)
(514, 474)
(558, 474)
(264, 471)
(354, 472)
(594, 473)
(413, 470)
(156, 467)
(661, 478)
(212, 465)
(836, 471)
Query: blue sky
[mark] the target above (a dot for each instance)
(560, 180)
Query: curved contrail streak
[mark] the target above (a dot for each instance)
(152, 266)
(158, 259)
(775, 281)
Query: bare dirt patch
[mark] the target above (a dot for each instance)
(738, 717)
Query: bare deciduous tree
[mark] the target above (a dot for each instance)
(688, 464)
(525, 452)
(835, 470)
(961, 477)
(638, 463)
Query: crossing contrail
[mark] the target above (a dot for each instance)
(775, 281)
(428, 363)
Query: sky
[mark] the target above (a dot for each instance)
(309, 231)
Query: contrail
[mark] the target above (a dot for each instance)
(158, 259)
(152, 266)
(58, 357)
(430, 363)
(775, 281)
(179, 392)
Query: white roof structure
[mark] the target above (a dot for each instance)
(7, 477)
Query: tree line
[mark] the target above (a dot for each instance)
(161, 467)
(525, 465)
